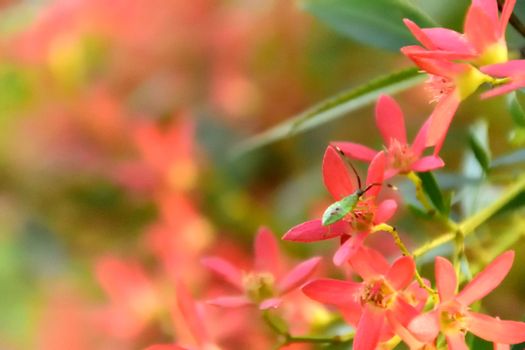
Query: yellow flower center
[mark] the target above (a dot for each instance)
(401, 156)
(453, 317)
(378, 293)
(259, 286)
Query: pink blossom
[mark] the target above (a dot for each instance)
(265, 284)
(194, 321)
(354, 228)
(386, 296)
(453, 317)
(482, 49)
(401, 157)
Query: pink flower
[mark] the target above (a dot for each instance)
(401, 157)
(265, 284)
(354, 228)
(134, 299)
(453, 317)
(481, 49)
(449, 83)
(194, 321)
(387, 294)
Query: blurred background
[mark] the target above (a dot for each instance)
(118, 120)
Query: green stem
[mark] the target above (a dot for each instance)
(405, 252)
(469, 225)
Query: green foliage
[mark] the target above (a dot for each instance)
(479, 143)
(378, 23)
(431, 189)
(333, 108)
(515, 101)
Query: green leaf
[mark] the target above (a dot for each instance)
(515, 102)
(431, 188)
(333, 108)
(479, 143)
(372, 22)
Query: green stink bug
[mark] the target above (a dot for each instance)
(338, 210)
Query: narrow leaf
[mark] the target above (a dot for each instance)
(433, 192)
(515, 106)
(333, 108)
(378, 23)
(479, 143)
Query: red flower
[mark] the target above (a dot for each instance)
(265, 284)
(483, 51)
(194, 321)
(354, 228)
(401, 157)
(134, 299)
(385, 296)
(453, 317)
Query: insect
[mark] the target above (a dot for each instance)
(338, 210)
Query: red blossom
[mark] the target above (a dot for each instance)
(386, 296)
(483, 53)
(354, 228)
(265, 284)
(401, 157)
(453, 317)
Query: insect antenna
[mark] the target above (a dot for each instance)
(370, 186)
(351, 166)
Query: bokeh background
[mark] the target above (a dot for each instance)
(118, 120)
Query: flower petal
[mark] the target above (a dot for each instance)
(336, 175)
(349, 248)
(188, 309)
(508, 69)
(385, 210)
(267, 257)
(446, 280)
(419, 34)
(225, 269)
(480, 29)
(489, 7)
(503, 89)
(369, 263)
(356, 151)
(333, 292)
(425, 327)
(456, 341)
(506, 12)
(314, 230)
(369, 328)
(401, 273)
(495, 330)
(418, 146)
(272, 303)
(499, 346)
(403, 332)
(298, 275)
(234, 301)
(487, 280)
(428, 163)
(449, 40)
(165, 347)
(390, 120)
(435, 66)
(440, 120)
(376, 172)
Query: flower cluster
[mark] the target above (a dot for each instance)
(390, 302)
